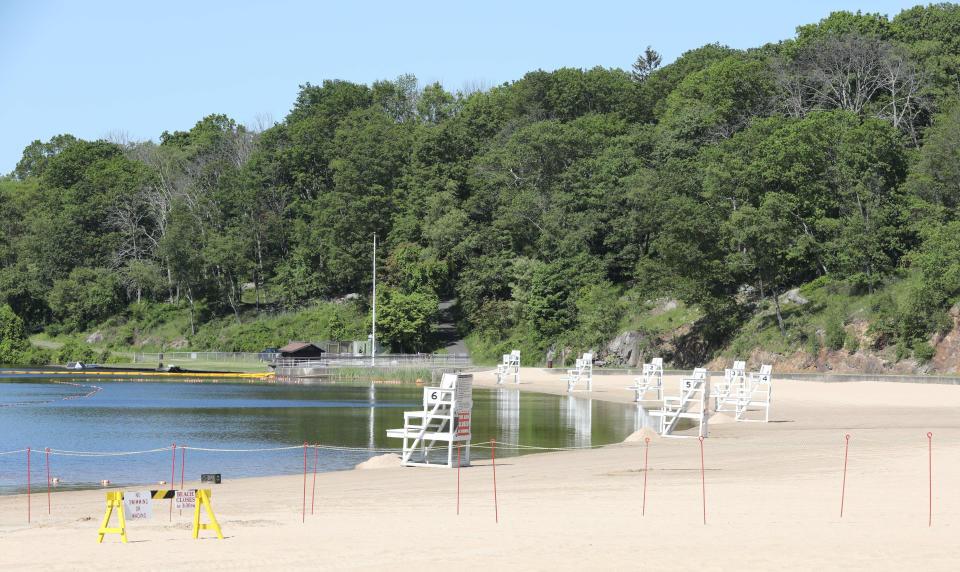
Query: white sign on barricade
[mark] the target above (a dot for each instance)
(137, 505)
(185, 499)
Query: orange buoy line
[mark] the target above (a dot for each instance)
(95, 388)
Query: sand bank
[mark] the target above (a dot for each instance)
(772, 501)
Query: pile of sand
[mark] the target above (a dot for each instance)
(641, 435)
(717, 418)
(386, 461)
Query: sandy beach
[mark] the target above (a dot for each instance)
(772, 494)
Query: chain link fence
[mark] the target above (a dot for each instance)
(328, 359)
(225, 357)
(380, 360)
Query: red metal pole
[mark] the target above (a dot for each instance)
(703, 482)
(493, 457)
(843, 490)
(28, 484)
(313, 491)
(173, 472)
(183, 463)
(930, 453)
(646, 453)
(48, 480)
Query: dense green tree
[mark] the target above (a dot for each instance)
(935, 176)
(765, 240)
(652, 93)
(405, 320)
(410, 269)
(13, 337)
(85, 297)
(37, 155)
(715, 102)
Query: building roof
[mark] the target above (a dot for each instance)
(297, 346)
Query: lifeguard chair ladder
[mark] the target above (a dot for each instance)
(583, 372)
(651, 378)
(509, 368)
(755, 395)
(695, 395)
(727, 393)
(445, 419)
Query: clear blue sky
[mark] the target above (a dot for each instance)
(93, 67)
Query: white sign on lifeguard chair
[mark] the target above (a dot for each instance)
(445, 419)
(509, 368)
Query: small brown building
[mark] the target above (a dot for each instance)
(301, 350)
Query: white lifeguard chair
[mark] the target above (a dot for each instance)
(692, 404)
(583, 372)
(651, 378)
(445, 419)
(509, 368)
(756, 395)
(727, 392)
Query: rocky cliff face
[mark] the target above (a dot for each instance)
(873, 357)
(683, 349)
(946, 360)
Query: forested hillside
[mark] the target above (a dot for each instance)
(556, 208)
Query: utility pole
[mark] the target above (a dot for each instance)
(373, 334)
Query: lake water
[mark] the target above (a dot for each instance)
(130, 416)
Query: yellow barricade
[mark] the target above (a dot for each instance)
(115, 501)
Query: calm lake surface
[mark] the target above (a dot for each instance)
(139, 416)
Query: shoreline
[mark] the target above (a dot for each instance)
(773, 494)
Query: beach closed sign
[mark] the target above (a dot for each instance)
(137, 505)
(185, 499)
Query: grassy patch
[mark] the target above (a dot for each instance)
(649, 314)
(154, 328)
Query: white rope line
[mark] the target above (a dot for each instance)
(242, 450)
(99, 453)
(478, 445)
(309, 446)
(68, 453)
(359, 449)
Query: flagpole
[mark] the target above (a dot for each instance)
(373, 335)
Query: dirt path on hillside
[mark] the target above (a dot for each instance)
(447, 331)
